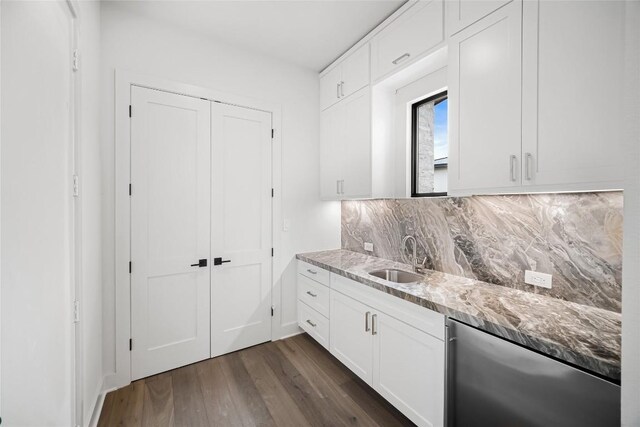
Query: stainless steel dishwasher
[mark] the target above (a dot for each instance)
(494, 382)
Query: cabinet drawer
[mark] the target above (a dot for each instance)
(313, 294)
(318, 274)
(415, 32)
(314, 324)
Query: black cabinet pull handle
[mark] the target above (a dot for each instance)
(220, 261)
(201, 263)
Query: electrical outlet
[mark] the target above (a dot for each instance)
(286, 224)
(537, 279)
(368, 246)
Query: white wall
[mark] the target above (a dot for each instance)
(136, 44)
(91, 200)
(631, 250)
(36, 212)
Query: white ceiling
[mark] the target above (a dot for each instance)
(309, 33)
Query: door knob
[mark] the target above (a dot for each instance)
(201, 263)
(219, 261)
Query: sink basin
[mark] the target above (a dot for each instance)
(397, 276)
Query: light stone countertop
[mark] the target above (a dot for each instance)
(581, 335)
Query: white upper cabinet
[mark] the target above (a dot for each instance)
(534, 92)
(573, 60)
(485, 103)
(462, 13)
(406, 39)
(356, 174)
(345, 78)
(330, 87)
(345, 148)
(355, 71)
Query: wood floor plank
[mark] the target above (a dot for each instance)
(293, 382)
(128, 405)
(221, 410)
(283, 409)
(342, 404)
(312, 403)
(325, 361)
(244, 392)
(188, 402)
(374, 404)
(158, 402)
(368, 399)
(107, 409)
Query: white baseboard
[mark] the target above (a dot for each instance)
(97, 408)
(293, 334)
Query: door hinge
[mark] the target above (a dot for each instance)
(129, 189)
(271, 251)
(76, 311)
(272, 310)
(273, 132)
(76, 60)
(129, 267)
(130, 344)
(129, 110)
(272, 192)
(76, 186)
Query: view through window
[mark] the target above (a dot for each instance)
(430, 146)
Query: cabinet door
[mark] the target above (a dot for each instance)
(356, 143)
(462, 13)
(484, 103)
(351, 342)
(413, 33)
(331, 151)
(355, 71)
(329, 87)
(573, 83)
(408, 370)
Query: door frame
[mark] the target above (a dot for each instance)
(124, 80)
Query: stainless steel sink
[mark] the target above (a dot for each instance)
(397, 276)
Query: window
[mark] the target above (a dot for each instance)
(429, 146)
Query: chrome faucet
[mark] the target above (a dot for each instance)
(414, 260)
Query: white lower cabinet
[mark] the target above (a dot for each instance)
(393, 345)
(313, 302)
(404, 364)
(314, 323)
(408, 370)
(352, 341)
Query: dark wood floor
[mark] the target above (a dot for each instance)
(293, 382)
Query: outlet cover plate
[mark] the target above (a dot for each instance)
(536, 278)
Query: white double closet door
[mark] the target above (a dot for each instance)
(200, 229)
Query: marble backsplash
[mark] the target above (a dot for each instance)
(575, 237)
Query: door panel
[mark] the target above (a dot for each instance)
(356, 142)
(462, 13)
(572, 83)
(411, 379)
(412, 34)
(329, 91)
(355, 71)
(332, 151)
(350, 342)
(484, 102)
(170, 214)
(241, 228)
